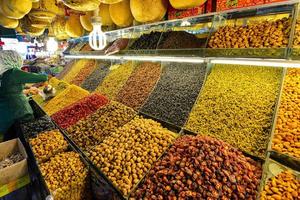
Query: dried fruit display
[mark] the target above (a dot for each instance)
(180, 40)
(297, 35)
(79, 110)
(176, 92)
(66, 69)
(284, 186)
(114, 81)
(139, 85)
(287, 132)
(127, 154)
(84, 72)
(236, 105)
(96, 77)
(147, 41)
(92, 130)
(66, 176)
(201, 167)
(59, 87)
(10, 160)
(70, 95)
(34, 127)
(48, 144)
(270, 34)
(76, 68)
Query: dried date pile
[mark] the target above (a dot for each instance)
(139, 85)
(176, 92)
(93, 129)
(126, 155)
(270, 34)
(237, 105)
(36, 126)
(79, 110)
(201, 167)
(96, 77)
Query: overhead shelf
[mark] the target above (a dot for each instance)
(265, 9)
(195, 59)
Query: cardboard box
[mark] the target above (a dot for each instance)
(17, 170)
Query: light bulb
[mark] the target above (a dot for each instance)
(52, 45)
(97, 39)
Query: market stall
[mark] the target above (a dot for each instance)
(183, 100)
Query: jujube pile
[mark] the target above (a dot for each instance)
(201, 167)
(79, 110)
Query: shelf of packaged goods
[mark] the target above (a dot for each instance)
(192, 59)
(265, 9)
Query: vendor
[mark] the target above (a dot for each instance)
(13, 103)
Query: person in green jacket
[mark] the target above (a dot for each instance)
(13, 103)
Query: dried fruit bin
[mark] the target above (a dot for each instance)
(273, 171)
(218, 112)
(284, 158)
(168, 180)
(140, 159)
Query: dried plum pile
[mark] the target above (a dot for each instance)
(175, 93)
(34, 127)
(96, 77)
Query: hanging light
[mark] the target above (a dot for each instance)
(97, 39)
(52, 45)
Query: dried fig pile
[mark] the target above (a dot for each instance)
(270, 34)
(201, 167)
(284, 186)
(126, 155)
(48, 144)
(237, 105)
(66, 176)
(93, 129)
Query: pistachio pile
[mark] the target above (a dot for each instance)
(93, 129)
(66, 176)
(270, 34)
(237, 105)
(201, 167)
(126, 155)
(48, 144)
(284, 186)
(287, 132)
